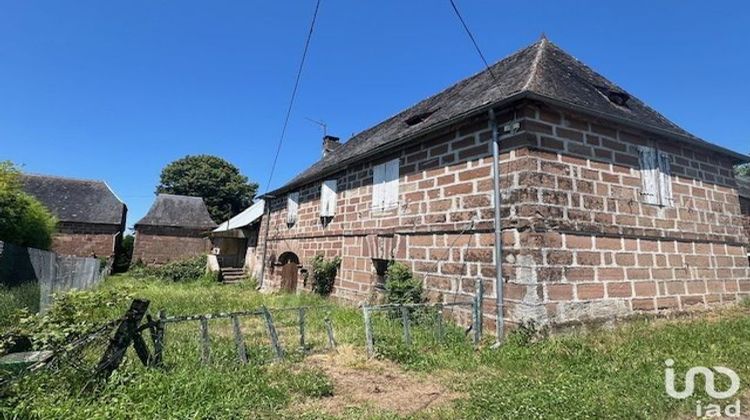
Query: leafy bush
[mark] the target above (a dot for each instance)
(184, 270)
(324, 274)
(71, 314)
(401, 286)
(24, 221)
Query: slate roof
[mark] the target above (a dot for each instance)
(76, 200)
(541, 71)
(178, 211)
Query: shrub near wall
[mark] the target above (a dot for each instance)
(183, 270)
(24, 221)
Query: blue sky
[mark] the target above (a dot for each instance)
(115, 90)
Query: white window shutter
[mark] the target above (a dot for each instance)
(378, 188)
(328, 198)
(391, 184)
(649, 174)
(665, 180)
(292, 207)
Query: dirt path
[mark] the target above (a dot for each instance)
(376, 384)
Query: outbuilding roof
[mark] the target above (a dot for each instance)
(183, 211)
(76, 200)
(247, 217)
(540, 71)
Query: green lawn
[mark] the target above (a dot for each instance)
(615, 373)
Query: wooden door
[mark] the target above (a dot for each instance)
(289, 276)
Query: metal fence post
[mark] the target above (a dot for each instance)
(406, 323)
(477, 316)
(439, 321)
(369, 343)
(239, 340)
(272, 335)
(159, 341)
(301, 320)
(205, 351)
(329, 331)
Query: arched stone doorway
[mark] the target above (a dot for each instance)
(289, 263)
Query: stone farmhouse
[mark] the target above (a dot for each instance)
(606, 208)
(176, 227)
(91, 218)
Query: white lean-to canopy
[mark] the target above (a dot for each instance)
(248, 216)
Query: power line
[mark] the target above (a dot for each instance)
(294, 94)
(471, 36)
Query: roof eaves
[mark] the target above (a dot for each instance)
(739, 157)
(398, 142)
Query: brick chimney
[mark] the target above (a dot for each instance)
(330, 143)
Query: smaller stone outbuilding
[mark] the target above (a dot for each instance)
(176, 227)
(90, 217)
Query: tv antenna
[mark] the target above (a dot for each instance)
(322, 125)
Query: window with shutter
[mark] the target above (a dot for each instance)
(328, 198)
(391, 184)
(378, 188)
(649, 174)
(665, 180)
(656, 176)
(292, 207)
(385, 185)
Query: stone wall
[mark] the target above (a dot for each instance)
(85, 240)
(579, 243)
(158, 246)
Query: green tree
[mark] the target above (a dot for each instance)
(24, 220)
(123, 259)
(224, 189)
(743, 170)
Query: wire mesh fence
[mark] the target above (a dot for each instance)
(401, 327)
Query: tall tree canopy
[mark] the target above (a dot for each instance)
(224, 189)
(24, 220)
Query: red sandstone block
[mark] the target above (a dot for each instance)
(638, 273)
(667, 302)
(458, 189)
(610, 273)
(619, 289)
(579, 274)
(470, 174)
(578, 242)
(696, 287)
(643, 304)
(608, 243)
(478, 255)
(644, 288)
(590, 291)
(675, 287)
(559, 291)
(691, 300)
(588, 258)
(624, 259)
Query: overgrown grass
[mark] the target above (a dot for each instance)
(14, 298)
(598, 374)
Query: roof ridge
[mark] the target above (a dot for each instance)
(180, 195)
(535, 64)
(67, 178)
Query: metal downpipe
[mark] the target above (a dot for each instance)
(500, 321)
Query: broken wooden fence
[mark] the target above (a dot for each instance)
(130, 329)
(404, 314)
